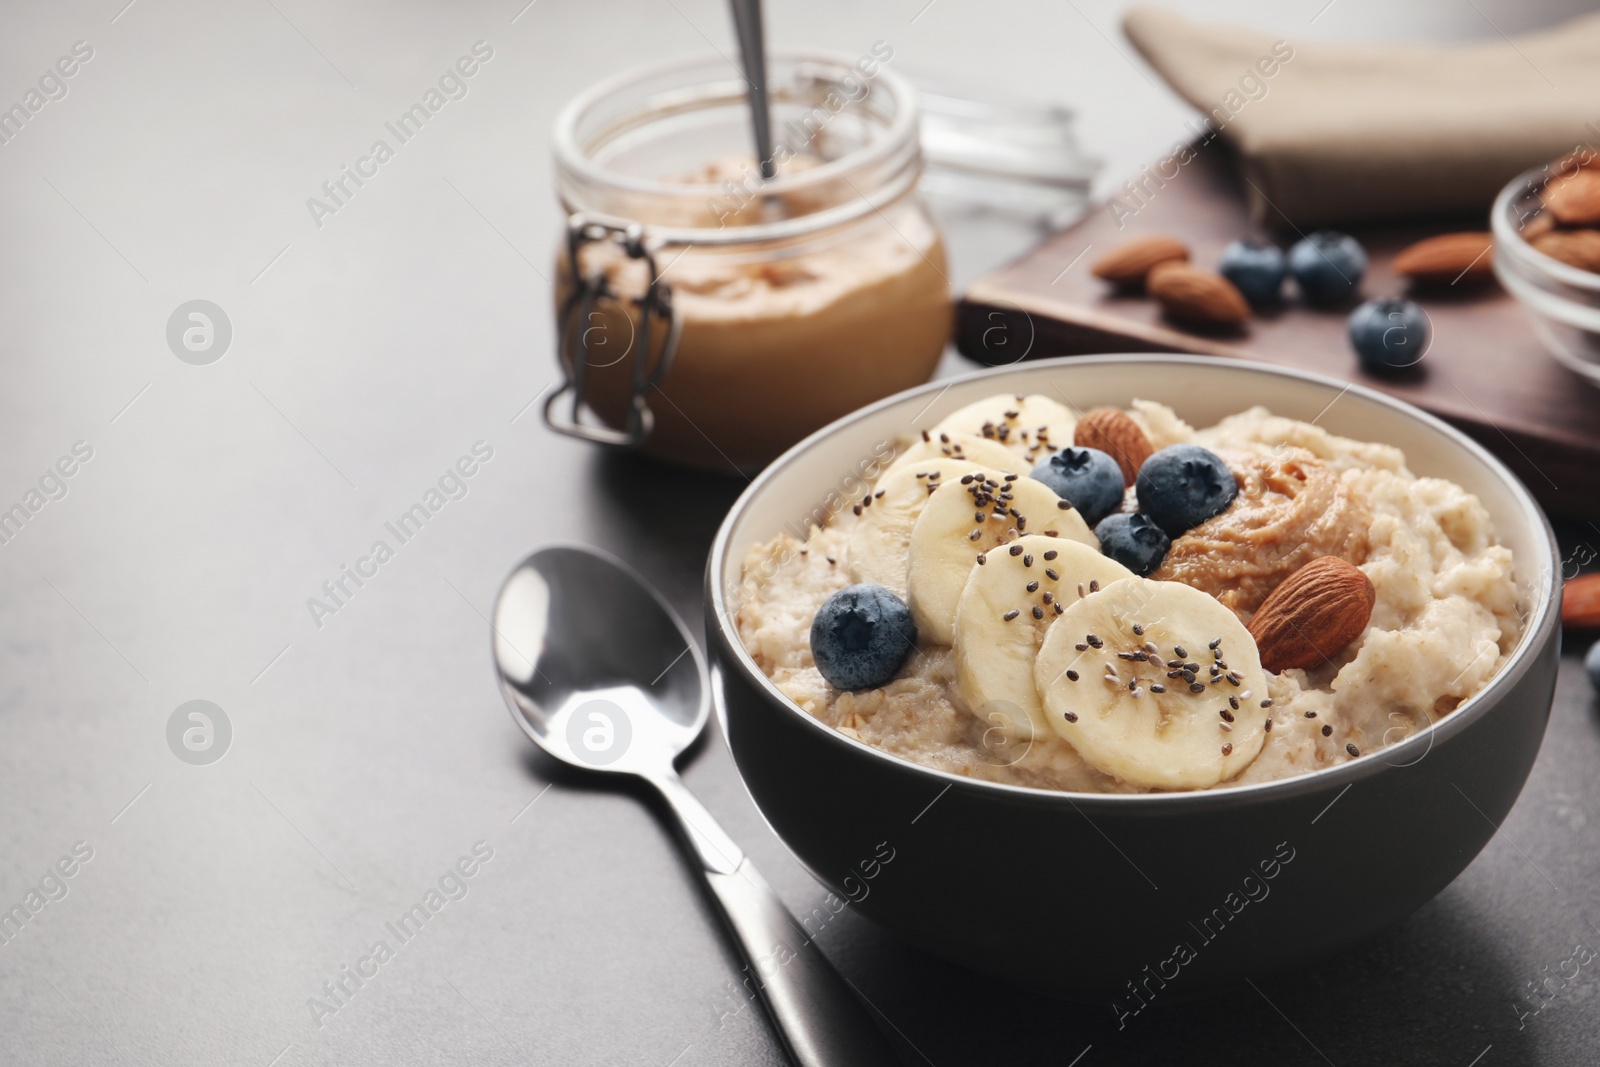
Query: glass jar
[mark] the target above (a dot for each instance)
(714, 319)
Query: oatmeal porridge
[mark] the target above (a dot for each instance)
(1243, 602)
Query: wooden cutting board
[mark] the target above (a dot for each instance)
(1486, 372)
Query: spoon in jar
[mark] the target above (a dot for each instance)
(601, 673)
(753, 53)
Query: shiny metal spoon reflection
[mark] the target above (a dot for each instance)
(599, 670)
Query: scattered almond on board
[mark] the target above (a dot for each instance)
(1448, 259)
(1129, 264)
(1189, 294)
(1186, 294)
(1313, 614)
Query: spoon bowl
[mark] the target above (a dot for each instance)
(596, 667)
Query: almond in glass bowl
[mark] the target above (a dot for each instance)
(1550, 266)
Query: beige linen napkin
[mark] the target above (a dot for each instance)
(1359, 133)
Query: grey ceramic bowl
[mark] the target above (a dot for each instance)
(1135, 897)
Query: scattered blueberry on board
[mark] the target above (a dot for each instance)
(1328, 267)
(1591, 663)
(1389, 334)
(1256, 269)
(1182, 486)
(1087, 478)
(860, 637)
(1134, 541)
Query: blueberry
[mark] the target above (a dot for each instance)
(1087, 478)
(1328, 267)
(1256, 269)
(1134, 541)
(1389, 334)
(860, 637)
(1591, 663)
(1182, 486)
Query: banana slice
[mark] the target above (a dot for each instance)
(1001, 619)
(968, 516)
(1031, 426)
(879, 544)
(971, 447)
(1187, 716)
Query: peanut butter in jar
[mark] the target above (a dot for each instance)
(778, 306)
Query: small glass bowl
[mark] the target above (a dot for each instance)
(1562, 301)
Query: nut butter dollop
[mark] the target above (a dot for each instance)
(1290, 510)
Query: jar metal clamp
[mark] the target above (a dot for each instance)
(573, 328)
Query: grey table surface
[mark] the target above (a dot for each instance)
(372, 347)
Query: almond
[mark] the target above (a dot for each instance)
(1447, 259)
(1537, 226)
(1313, 614)
(1580, 602)
(1574, 199)
(1575, 160)
(1190, 294)
(1128, 264)
(1116, 434)
(1576, 248)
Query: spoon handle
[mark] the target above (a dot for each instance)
(753, 51)
(820, 1020)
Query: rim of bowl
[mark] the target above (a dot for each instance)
(1502, 230)
(1542, 618)
(572, 154)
